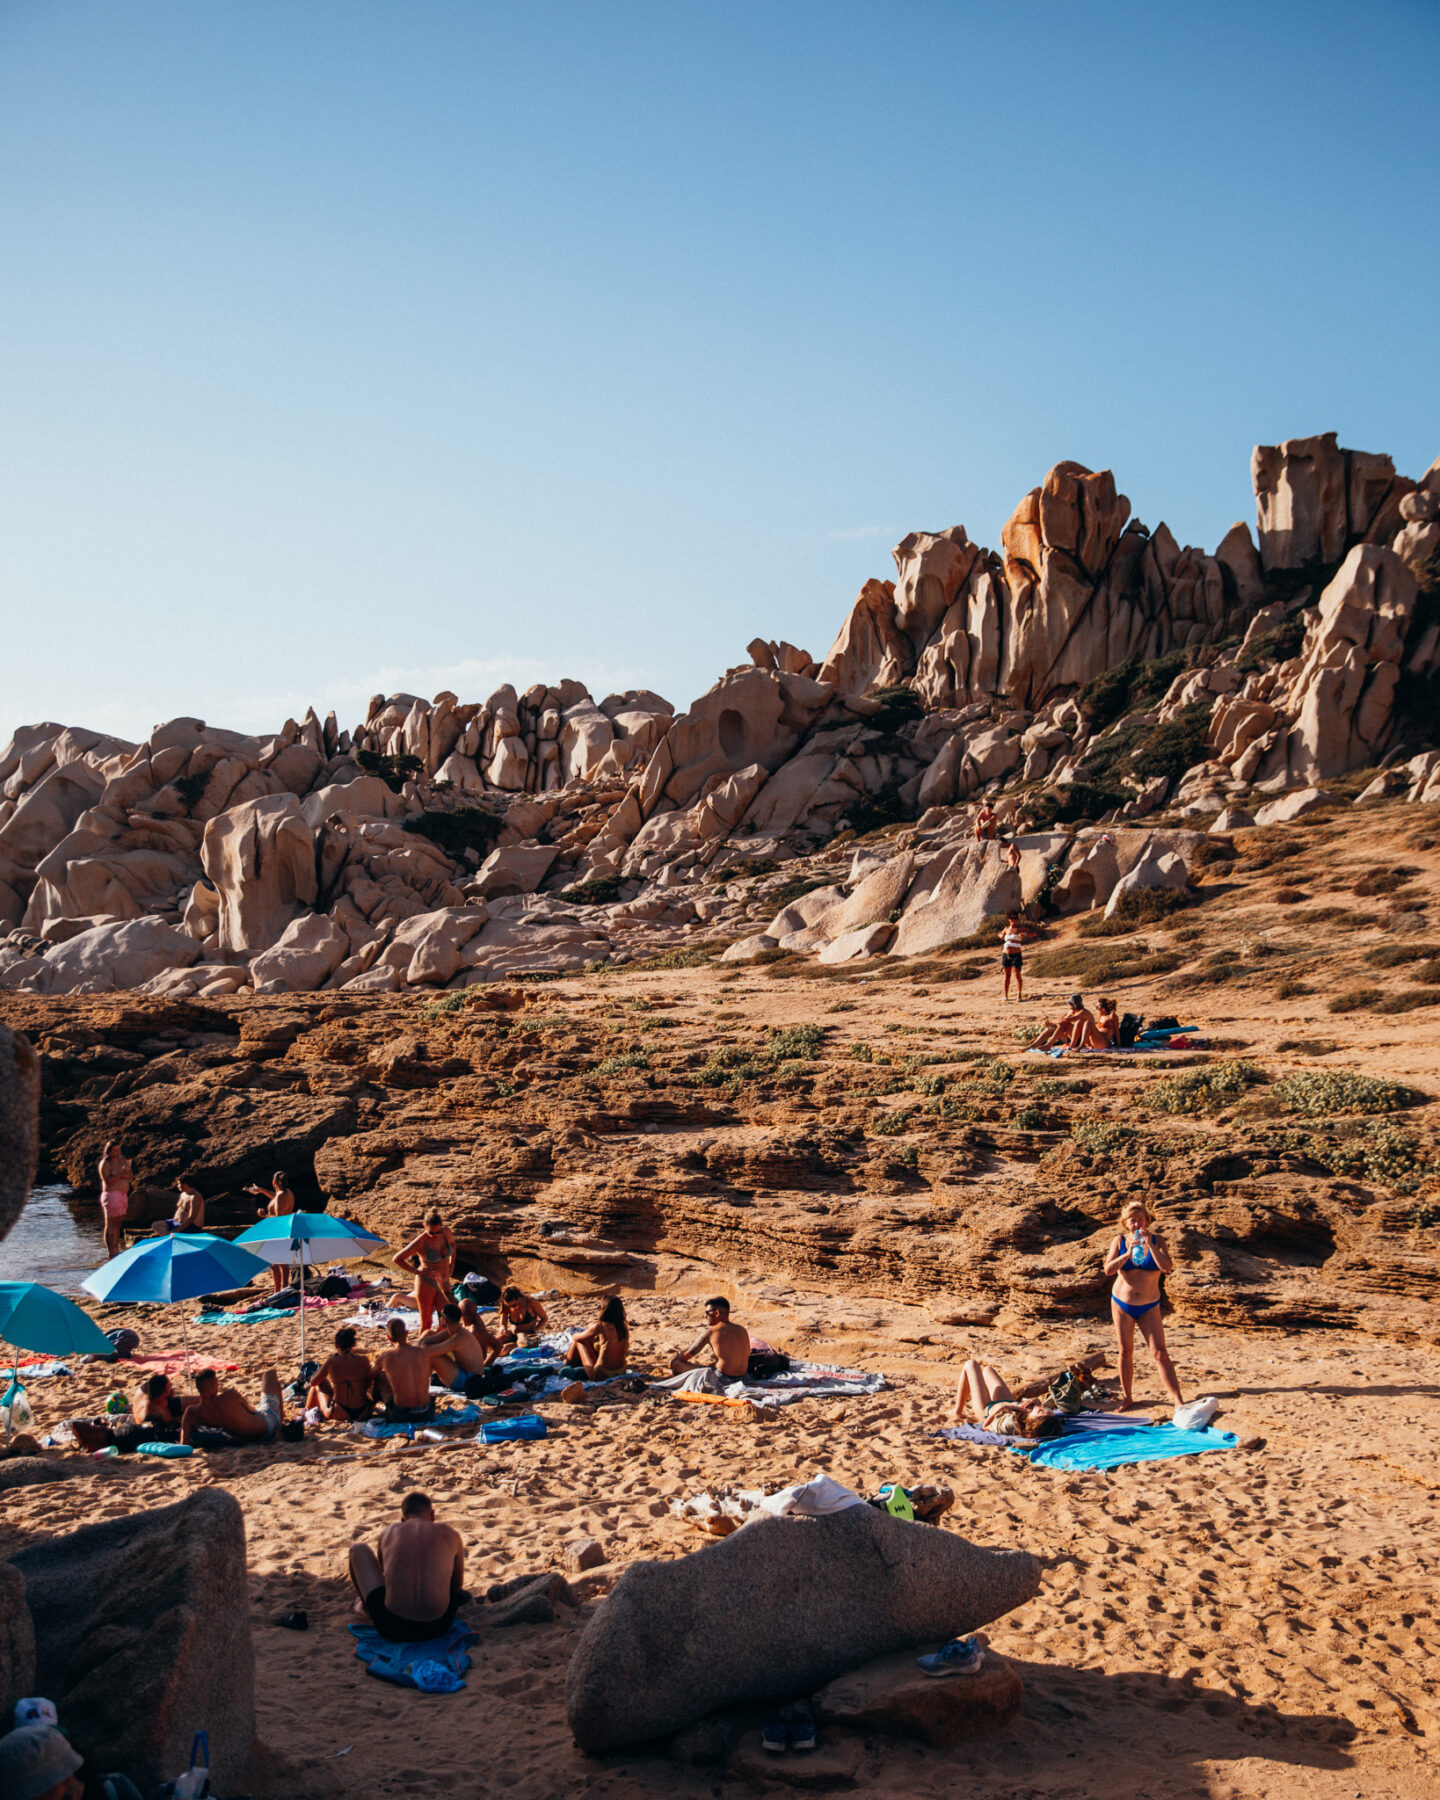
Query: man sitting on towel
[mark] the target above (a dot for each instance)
(411, 1583)
(402, 1379)
(227, 1410)
(729, 1344)
(463, 1351)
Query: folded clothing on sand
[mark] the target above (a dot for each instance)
(409, 1665)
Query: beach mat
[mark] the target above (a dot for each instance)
(1114, 1449)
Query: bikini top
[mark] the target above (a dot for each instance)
(431, 1254)
(1143, 1260)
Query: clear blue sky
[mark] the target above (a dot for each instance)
(347, 346)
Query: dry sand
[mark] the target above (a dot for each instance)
(1245, 1623)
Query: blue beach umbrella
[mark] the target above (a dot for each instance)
(308, 1238)
(34, 1318)
(177, 1267)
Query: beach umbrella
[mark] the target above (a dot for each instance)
(35, 1318)
(180, 1266)
(308, 1238)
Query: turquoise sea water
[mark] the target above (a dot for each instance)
(56, 1240)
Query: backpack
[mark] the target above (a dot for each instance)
(1130, 1024)
(764, 1364)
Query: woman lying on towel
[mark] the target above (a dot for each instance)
(982, 1390)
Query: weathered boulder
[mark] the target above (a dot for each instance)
(750, 949)
(309, 951)
(514, 869)
(19, 1123)
(366, 798)
(873, 901)
(776, 1609)
(1159, 869)
(1295, 805)
(895, 1696)
(111, 956)
(260, 858)
(851, 946)
(1234, 818)
(948, 901)
(426, 949)
(46, 813)
(1316, 500)
(142, 1634)
(1342, 697)
(17, 1641)
(752, 716)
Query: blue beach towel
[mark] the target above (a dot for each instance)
(1113, 1449)
(445, 1419)
(259, 1317)
(512, 1431)
(435, 1667)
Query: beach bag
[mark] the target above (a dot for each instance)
(15, 1413)
(513, 1431)
(765, 1364)
(1130, 1024)
(481, 1290)
(1067, 1392)
(897, 1501)
(1197, 1415)
(334, 1287)
(194, 1784)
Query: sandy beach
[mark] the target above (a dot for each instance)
(1248, 1623)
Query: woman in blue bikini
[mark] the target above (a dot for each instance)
(1137, 1259)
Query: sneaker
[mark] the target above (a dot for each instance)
(961, 1656)
(773, 1734)
(802, 1732)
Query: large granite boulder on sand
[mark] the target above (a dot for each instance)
(19, 1123)
(17, 1642)
(142, 1636)
(777, 1609)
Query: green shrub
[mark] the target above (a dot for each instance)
(898, 705)
(451, 1003)
(893, 1124)
(1101, 1134)
(1173, 747)
(1273, 647)
(861, 1051)
(797, 1042)
(1128, 687)
(1027, 1034)
(1353, 999)
(1408, 999)
(1321, 1092)
(676, 959)
(1202, 1090)
(1032, 1117)
(603, 890)
(615, 1065)
(1291, 989)
(467, 828)
(1307, 1046)
(394, 771)
(191, 788)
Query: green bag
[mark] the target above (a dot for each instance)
(897, 1501)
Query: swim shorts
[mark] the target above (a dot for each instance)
(407, 1631)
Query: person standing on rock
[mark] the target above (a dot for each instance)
(430, 1258)
(1137, 1259)
(116, 1174)
(278, 1202)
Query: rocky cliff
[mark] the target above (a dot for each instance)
(1091, 672)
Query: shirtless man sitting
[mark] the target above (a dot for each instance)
(728, 1344)
(341, 1388)
(402, 1379)
(227, 1410)
(987, 823)
(411, 1583)
(462, 1350)
(189, 1207)
(1071, 1030)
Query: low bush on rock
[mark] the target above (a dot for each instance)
(467, 828)
(604, 890)
(1321, 1092)
(893, 1124)
(798, 1042)
(1354, 999)
(1394, 956)
(1101, 1134)
(1203, 1090)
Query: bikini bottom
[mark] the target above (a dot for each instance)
(1134, 1312)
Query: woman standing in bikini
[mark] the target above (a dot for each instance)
(1138, 1258)
(430, 1258)
(115, 1178)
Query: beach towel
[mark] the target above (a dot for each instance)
(173, 1363)
(42, 1371)
(261, 1316)
(401, 1663)
(446, 1418)
(1114, 1449)
(801, 1381)
(382, 1315)
(1081, 1422)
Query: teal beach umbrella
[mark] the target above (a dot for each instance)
(178, 1267)
(35, 1318)
(308, 1238)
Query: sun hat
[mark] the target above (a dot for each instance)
(34, 1759)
